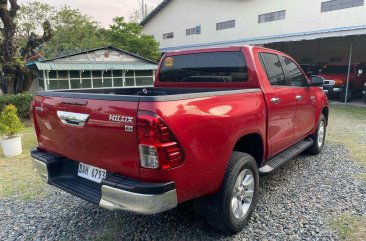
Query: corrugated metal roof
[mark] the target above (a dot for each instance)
(97, 49)
(93, 66)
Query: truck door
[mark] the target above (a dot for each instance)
(305, 100)
(281, 105)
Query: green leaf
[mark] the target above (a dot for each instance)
(10, 124)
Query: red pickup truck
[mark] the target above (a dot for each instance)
(335, 80)
(214, 121)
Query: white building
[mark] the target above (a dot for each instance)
(297, 27)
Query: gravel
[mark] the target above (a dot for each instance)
(297, 203)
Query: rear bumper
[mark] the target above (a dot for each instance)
(116, 193)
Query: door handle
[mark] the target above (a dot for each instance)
(298, 97)
(72, 119)
(275, 100)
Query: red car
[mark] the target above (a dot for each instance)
(335, 80)
(214, 121)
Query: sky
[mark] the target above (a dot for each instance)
(102, 11)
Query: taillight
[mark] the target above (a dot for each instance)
(157, 145)
(34, 119)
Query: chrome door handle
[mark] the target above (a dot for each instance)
(72, 119)
(275, 100)
(298, 97)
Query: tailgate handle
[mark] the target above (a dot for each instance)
(72, 119)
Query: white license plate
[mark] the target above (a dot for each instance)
(92, 173)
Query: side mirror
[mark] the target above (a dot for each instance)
(360, 72)
(316, 80)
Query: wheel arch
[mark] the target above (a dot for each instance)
(253, 145)
(325, 112)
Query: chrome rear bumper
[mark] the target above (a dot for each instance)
(40, 168)
(119, 200)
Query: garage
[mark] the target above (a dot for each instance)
(344, 58)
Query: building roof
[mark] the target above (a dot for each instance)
(157, 10)
(93, 66)
(97, 49)
(53, 64)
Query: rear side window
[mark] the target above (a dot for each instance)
(204, 67)
(271, 63)
(296, 77)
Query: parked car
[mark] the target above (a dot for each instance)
(335, 80)
(364, 92)
(214, 121)
(312, 69)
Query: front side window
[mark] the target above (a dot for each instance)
(296, 77)
(205, 67)
(272, 64)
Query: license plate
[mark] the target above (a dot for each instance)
(92, 173)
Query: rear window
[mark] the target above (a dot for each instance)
(335, 69)
(204, 67)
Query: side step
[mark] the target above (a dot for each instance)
(282, 159)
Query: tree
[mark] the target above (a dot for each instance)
(15, 76)
(74, 32)
(128, 36)
(146, 7)
(31, 16)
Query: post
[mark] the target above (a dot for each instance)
(143, 9)
(45, 80)
(349, 72)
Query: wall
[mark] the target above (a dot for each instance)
(301, 16)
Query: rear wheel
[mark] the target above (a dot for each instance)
(318, 137)
(231, 208)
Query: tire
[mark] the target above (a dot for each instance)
(230, 209)
(318, 137)
(342, 96)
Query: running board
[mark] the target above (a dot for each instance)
(283, 158)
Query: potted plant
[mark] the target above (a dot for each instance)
(10, 127)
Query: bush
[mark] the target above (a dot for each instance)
(21, 101)
(10, 124)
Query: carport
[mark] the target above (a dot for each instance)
(344, 49)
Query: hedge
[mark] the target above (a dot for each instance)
(21, 101)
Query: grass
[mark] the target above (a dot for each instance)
(17, 178)
(347, 126)
(350, 228)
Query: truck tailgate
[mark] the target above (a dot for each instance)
(106, 140)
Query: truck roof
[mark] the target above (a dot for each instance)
(223, 49)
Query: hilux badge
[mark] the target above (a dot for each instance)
(119, 118)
